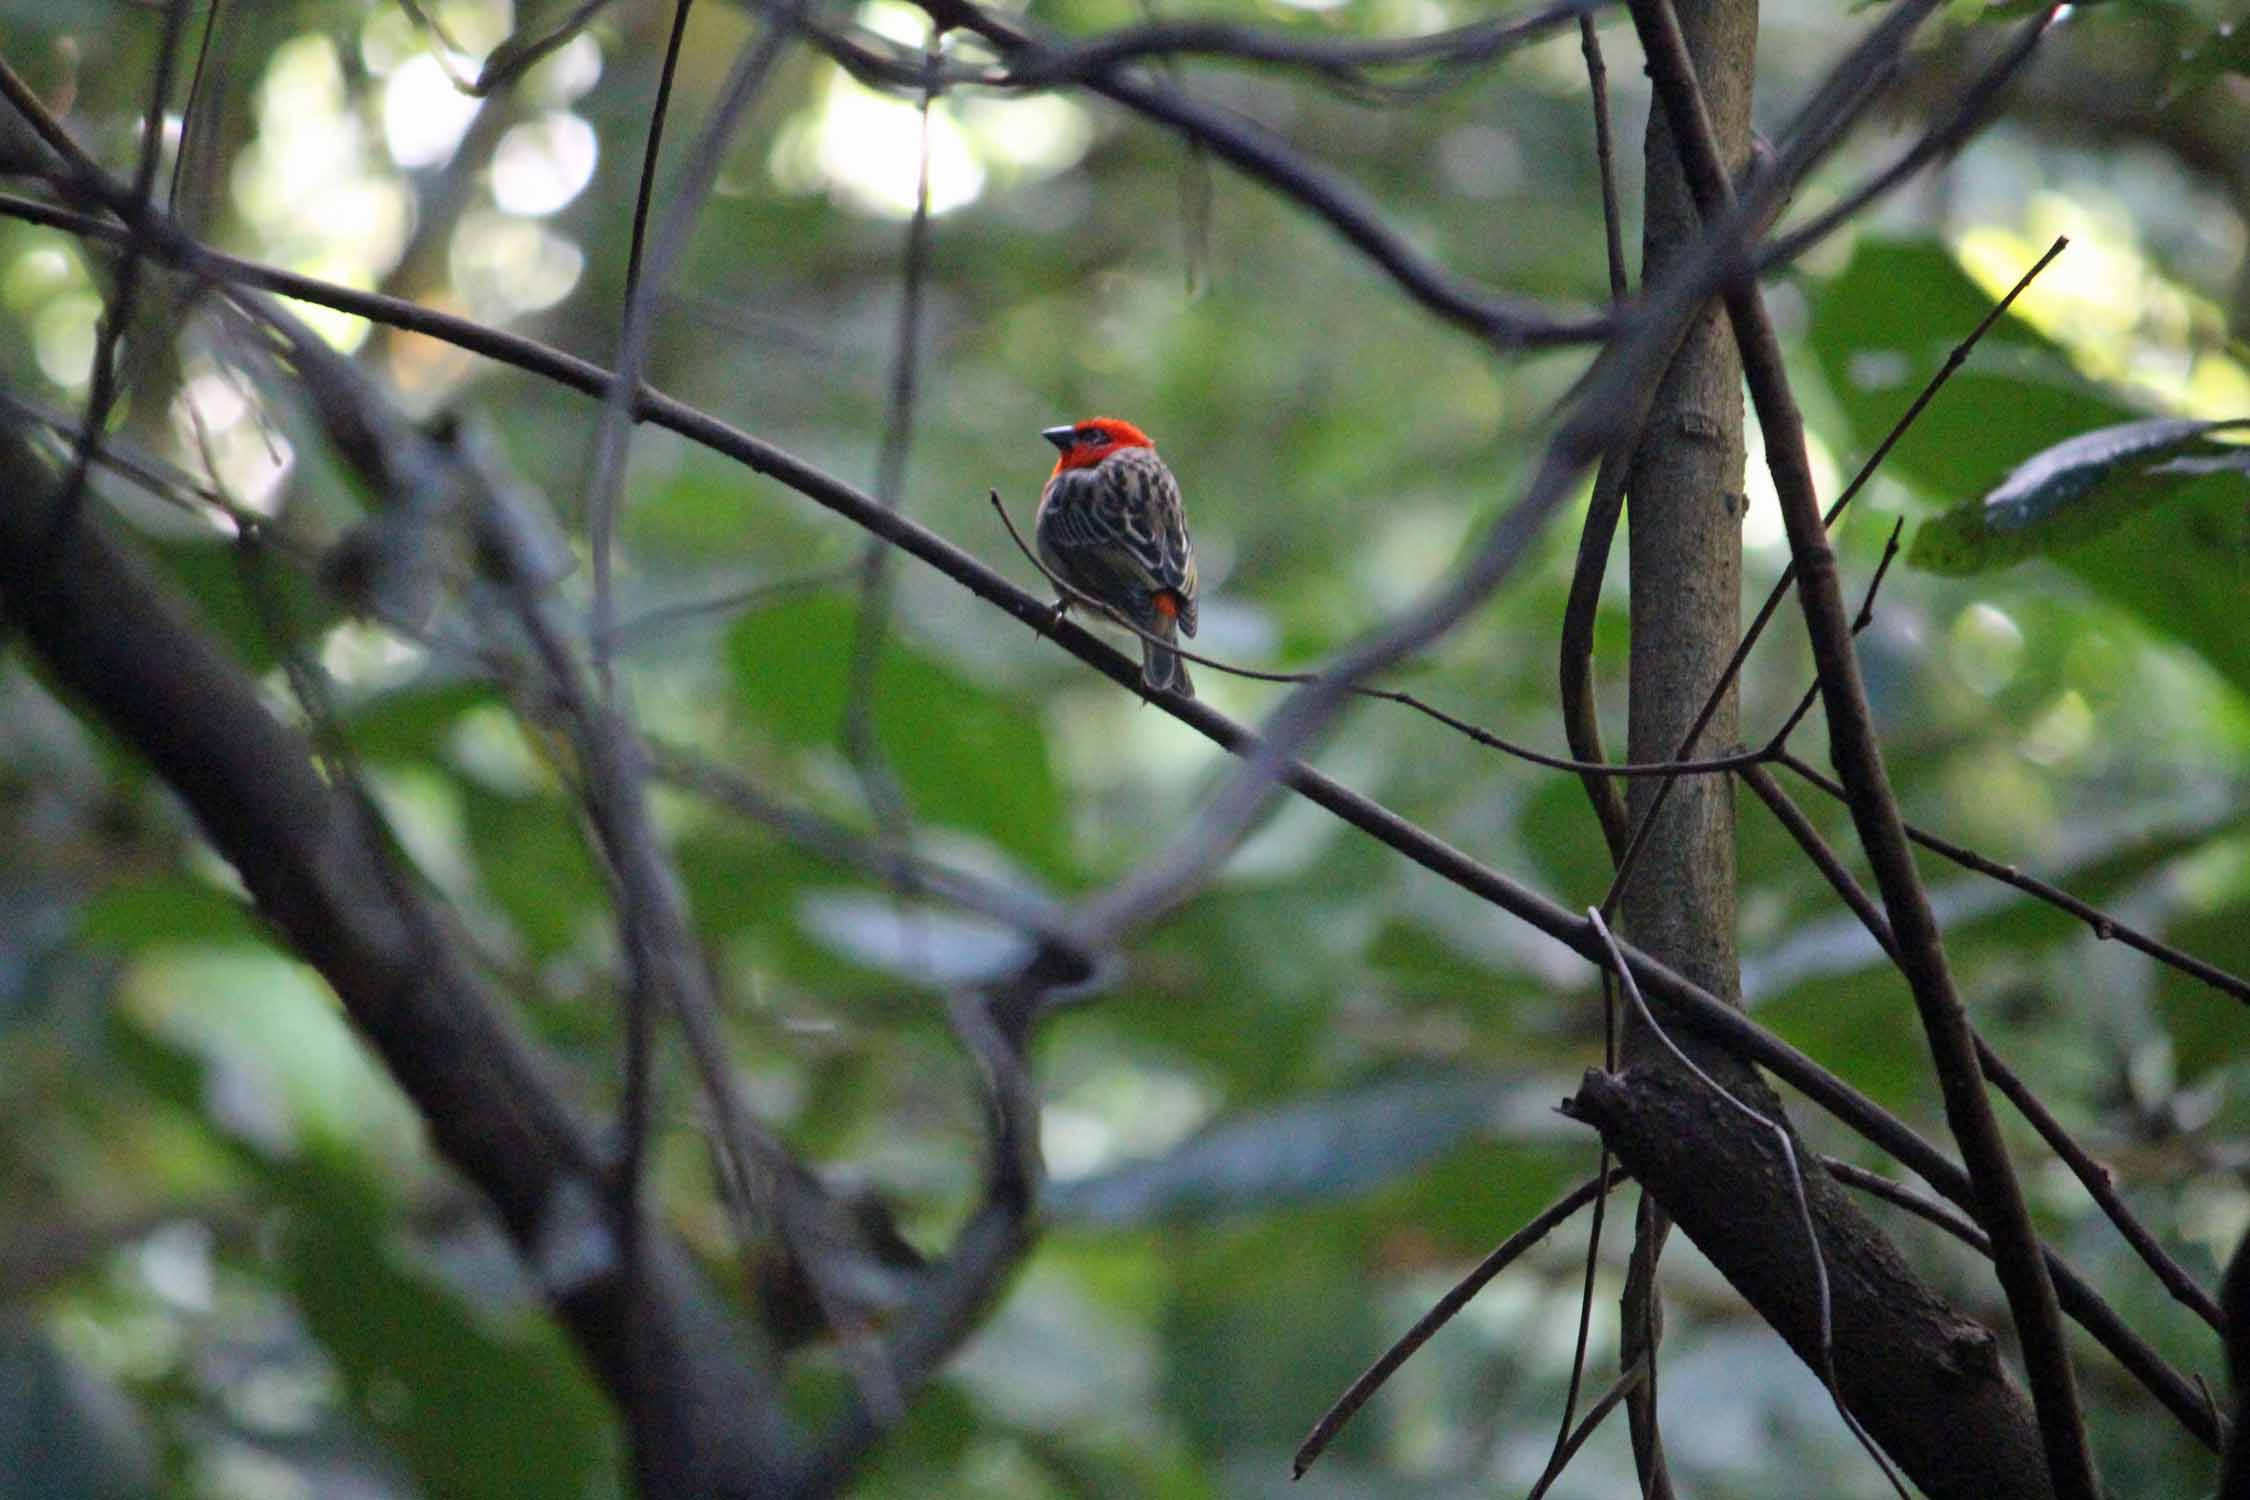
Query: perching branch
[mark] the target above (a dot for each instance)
(1072, 594)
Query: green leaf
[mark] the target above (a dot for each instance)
(412, 722)
(2150, 514)
(2183, 570)
(287, 600)
(963, 755)
(535, 864)
(2208, 1029)
(173, 909)
(477, 1402)
(2074, 492)
(1888, 322)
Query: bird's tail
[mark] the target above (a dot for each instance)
(1163, 670)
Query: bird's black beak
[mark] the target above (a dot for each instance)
(1061, 437)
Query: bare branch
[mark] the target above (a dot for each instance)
(876, 60)
(115, 319)
(2189, 1406)
(1459, 47)
(2091, 1174)
(1442, 1312)
(2101, 923)
(1581, 717)
(1574, 1438)
(1941, 139)
(606, 467)
(644, 190)
(884, 795)
(1266, 158)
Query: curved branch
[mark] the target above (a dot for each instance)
(1266, 158)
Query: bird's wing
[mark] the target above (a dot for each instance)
(1135, 508)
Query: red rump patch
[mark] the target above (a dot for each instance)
(1167, 605)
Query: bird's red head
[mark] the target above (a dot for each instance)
(1087, 443)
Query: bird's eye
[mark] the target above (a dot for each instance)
(1090, 436)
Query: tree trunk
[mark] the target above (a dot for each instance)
(1684, 541)
(1910, 1367)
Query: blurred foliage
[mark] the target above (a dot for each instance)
(1310, 1099)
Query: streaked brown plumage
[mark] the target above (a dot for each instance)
(1110, 523)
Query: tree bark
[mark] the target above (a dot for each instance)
(1684, 548)
(1926, 1382)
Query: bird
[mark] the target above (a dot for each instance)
(1110, 524)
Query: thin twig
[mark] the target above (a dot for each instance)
(607, 463)
(1266, 158)
(1580, 714)
(2103, 924)
(645, 189)
(986, 1250)
(1372, 818)
(1941, 139)
(1866, 617)
(884, 795)
(1447, 55)
(1700, 1009)
(2092, 1175)
(188, 111)
(1460, 47)
(2101, 1187)
(1581, 721)
(1597, 85)
(640, 1007)
(1505, 1254)
(1574, 1438)
(343, 903)
(102, 393)
(513, 57)
(1584, 1338)
(571, 372)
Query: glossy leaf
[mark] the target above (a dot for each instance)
(2077, 491)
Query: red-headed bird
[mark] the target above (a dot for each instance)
(1110, 524)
